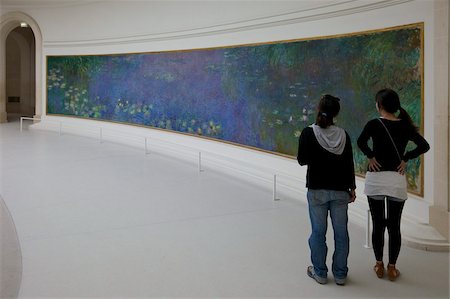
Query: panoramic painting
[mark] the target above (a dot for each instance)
(260, 96)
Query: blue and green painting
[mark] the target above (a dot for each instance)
(260, 96)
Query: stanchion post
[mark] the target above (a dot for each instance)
(275, 188)
(146, 147)
(101, 135)
(367, 245)
(200, 162)
(60, 128)
(21, 123)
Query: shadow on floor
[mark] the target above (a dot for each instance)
(10, 255)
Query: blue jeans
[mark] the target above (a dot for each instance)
(320, 202)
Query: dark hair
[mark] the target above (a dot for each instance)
(327, 109)
(389, 100)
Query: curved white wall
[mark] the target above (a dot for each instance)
(104, 27)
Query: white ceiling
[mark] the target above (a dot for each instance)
(91, 21)
(43, 3)
(307, 4)
(39, 2)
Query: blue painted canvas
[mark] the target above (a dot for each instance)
(260, 96)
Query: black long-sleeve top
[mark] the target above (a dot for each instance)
(326, 170)
(383, 150)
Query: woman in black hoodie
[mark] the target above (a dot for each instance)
(330, 180)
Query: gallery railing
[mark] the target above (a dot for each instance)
(145, 140)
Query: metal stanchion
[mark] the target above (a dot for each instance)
(22, 118)
(101, 135)
(275, 188)
(200, 162)
(367, 245)
(146, 146)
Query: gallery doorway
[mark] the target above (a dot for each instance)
(20, 73)
(20, 67)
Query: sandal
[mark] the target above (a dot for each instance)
(379, 269)
(393, 273)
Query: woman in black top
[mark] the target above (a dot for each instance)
(330, 180)
(385, 180)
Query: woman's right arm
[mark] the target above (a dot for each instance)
(363, 140)
(364, 147)
(303, 155)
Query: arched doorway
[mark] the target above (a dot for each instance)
(20, 73)
(20, 91)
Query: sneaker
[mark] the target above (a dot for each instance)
(340, 281)
(313, 275)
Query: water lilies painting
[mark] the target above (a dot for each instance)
(259, 96)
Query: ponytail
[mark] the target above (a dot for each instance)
(328, 108)
(405, 116)
(323, 120)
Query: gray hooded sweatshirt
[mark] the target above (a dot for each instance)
(331, 138)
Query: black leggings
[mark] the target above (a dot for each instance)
(380, 222)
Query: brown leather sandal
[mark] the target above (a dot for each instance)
(393, 273)
(379, 269)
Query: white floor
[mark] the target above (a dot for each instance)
(104, 220)
(10, 255)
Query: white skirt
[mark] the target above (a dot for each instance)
(389, 183)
